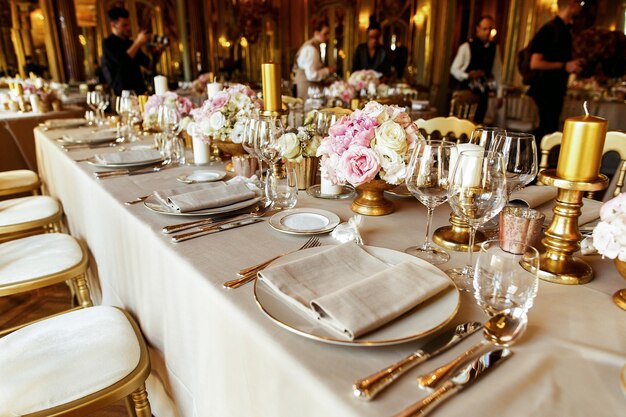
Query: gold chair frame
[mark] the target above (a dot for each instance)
(7, 188)
(464, 104)
(446, 125)
(131, 387)
(45, 225)
(74, 274)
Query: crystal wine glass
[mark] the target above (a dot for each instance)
(505, 276)
(477, 192)
(249, 140)
(486, 137)
(520, 158)
(427, 179)
(268, 132)
(127, 106)
(93, 101)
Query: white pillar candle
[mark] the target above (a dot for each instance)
(213, 88)
(160, 85)
(327, 187)
(35, 103)
(201, 152)
(38, 83)
(454, 155)
(471, 168)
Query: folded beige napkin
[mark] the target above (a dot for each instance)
(87, 137)
(129, 157)
(350, 291)
(534, 195)
(204, 196)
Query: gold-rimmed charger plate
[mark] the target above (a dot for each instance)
(304, 221)
(423, 320)
(93, 161)
(93, 137)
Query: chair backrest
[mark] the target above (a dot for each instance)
(520, 111)
(464, 104)
(614, 142)
(445, 126)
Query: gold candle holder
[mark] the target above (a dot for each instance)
(272, 96)
(562, 238)
(456, 236)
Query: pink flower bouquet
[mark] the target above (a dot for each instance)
(342, 90)
(363, 78)
(183, 106)
(223, 116)
(375, 142)
(609, 236)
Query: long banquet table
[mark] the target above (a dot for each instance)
(215, 354)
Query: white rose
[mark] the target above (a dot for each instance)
(604, 241)
(205, 127)
(376, 111)
(393, 168)
(236, 134)
(289, 145)
(217, 121)
(392, 136)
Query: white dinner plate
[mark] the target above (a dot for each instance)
(155, 205)
(202, 175)
(94, 162)
(64, 123)
(99, 136)
(304, 221)
(422, 320)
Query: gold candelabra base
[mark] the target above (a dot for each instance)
(562, 238)
(456, 236)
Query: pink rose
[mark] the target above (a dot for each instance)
(219, 100)
(360, 165)
(403, 119)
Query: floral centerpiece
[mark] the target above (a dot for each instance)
(183, 106)
(199, 84)
(363, 78)
(609, 236)
(223, 117)
(342, 90)
(375, 142)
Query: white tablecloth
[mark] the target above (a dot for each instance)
(215, 354)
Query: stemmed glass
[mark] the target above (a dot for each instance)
(94, 99)
(127, 106)
(427, 179)
(505, 276)
(477, 192)
(248, 143)
(268, 132)
(486, 137)
(169, 120)
(102, 106)
(520, 158)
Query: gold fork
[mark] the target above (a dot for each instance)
(249, 274)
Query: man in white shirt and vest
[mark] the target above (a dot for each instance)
(308, 67)
(478, 65)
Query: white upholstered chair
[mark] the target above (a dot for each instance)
(18, 181)
(446, 125)
(24, 216)
(73, 364)
(42, 260)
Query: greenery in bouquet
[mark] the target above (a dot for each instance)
(223, 116)
(373, 143)
(609, 236)
(341, 90)
(301, 142)
(362, 79)
(183, 105)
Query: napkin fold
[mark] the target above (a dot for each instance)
(87, 137)
(129, 157)
(204, 196)
(534, 195)
(350, 291)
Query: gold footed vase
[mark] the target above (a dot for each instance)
(456, 236)
(371, 200)
(619, 298)
(306, 171)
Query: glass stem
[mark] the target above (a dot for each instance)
(429, 220)
(470, 248)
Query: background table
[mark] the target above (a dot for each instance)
(214, 353)
(16, 136)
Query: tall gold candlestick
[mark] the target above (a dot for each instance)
(581, 148)
(272, 97)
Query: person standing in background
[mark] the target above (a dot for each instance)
(477, 65)
(371, 55)
(551, 60)
(122, 58)
(308, 67)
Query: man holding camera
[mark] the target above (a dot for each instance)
(122, 57)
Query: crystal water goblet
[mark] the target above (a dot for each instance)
(520, 158)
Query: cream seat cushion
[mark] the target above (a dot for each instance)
(27, 209)
(17, 178)
(37, 256)
(65, 358)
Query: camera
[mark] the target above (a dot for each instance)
(160, 40)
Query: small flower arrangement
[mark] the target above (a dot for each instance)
(223, 116)
(363, 78)
(342, 90)
(609, 236)
(199, 84)
(301, 142)
(183, 106)
(375, 142)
